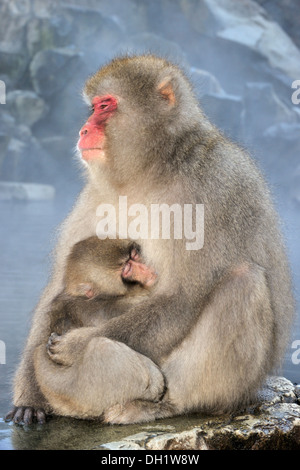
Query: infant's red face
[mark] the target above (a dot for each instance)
(139, 272)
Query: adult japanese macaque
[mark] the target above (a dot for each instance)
(217, 320)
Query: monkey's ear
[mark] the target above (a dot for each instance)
(166, 90)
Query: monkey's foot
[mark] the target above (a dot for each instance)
(56, 350)
(26, 415)
(68, 348)
(138, 411)
(118, 414)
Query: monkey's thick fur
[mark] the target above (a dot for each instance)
(218, 319)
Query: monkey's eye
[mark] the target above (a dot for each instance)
(103, 106)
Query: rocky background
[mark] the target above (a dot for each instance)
(241, 56)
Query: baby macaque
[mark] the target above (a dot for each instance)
(99, 276)
(98, 268)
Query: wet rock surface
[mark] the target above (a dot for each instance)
(273, 423)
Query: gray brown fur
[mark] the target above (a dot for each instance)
(218, 319)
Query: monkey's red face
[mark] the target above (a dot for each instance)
(92, 134)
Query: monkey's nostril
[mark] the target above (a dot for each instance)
(83, 131)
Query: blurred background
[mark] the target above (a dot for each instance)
(242, 57)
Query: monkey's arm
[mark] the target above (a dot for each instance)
(157, 326)
(153, 329)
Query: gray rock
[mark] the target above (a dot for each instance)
(13, 61)
(48, 33)
(17, 160)
(94, 33)
(67, 109)
(26, 106)
(278, 149)
(13, 21)
(247, 24)
(205, 82)
(23, 133)
(225, 112)
(149, 42)
(134, 442)
(286, 13)
(273, 423)
(263, 109)
(282, 143)
(130, 15)
(25, 191)
(182, 440)
(4, 140)
(284, 138)
(7, 126)
(201, 16)
(277, 390)
(7, 123)
(17, 8)
(51, 69)
(44, 9)
(25, 160)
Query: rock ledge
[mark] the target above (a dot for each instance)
(273, 423)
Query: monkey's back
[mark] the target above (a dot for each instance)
(241, 224)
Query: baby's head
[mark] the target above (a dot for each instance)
(105, 268)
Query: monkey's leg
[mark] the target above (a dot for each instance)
(106, 374)
(224, 359)
(228, 355)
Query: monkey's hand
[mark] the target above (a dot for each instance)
(58, 350)
(67, 348)
(26, 415)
